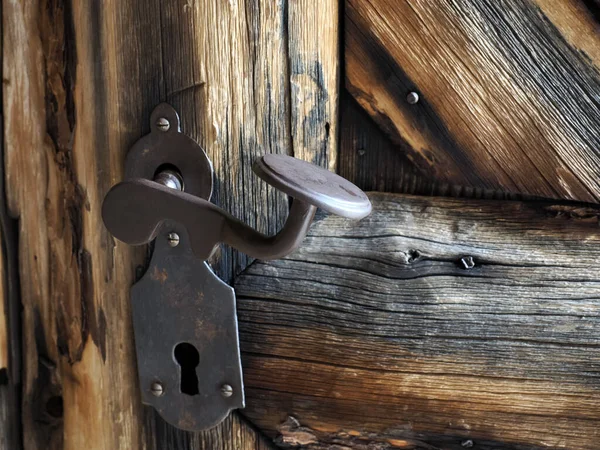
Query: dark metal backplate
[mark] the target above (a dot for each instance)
(180, 300)
(173, 148)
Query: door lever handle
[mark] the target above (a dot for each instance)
(134, 209)
(184, 316)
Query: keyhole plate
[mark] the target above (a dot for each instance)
(180, 300)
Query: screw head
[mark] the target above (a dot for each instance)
(163, 124)
(412, 98)
(467, 262)
(173, 239)
(226, 390)
(170, 179)
(157, 389)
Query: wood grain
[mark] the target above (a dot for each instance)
(61, 153)
(376, 334)
(369, 159)
(233, 434)
(508, 90)
(82, 80)
(10, 436)
(314, 80)
(10, 349)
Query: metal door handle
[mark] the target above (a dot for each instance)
(134, 209)
(184, 316)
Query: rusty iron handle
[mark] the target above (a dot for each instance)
(134, 209)
(136, 221)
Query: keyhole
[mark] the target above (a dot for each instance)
(188, 359)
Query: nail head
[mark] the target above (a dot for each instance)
(412, 98)
(467, 262)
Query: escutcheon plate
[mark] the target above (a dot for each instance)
(180, 300)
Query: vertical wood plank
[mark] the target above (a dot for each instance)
(226, 73)
(4, 339)
(314, 73)
(10, 436)
(83, 79)
(65, 142)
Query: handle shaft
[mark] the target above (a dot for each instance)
(134, 209)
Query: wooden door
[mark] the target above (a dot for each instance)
(462, 313)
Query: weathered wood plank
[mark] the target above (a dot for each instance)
(82, 80)
(233, 434)
(376, 333)
(64, 146)
(10, 343)
(314, 80)
(369, 159)
(508, 89)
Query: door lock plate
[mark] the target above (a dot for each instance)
(186, 336)
(184, 316)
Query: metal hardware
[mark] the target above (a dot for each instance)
(226, 390)
(412, 98)
(467, 262)
(163, 124)
(173, 239)
(157, 389)
(170, 179)
(184, 316)
(180, 300)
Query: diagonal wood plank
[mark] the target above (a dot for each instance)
(508, 89)
(381, 333)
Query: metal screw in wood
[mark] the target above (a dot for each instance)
(163, 124)
(467, 262)
(412, 98)
(157, 389)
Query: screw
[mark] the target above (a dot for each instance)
(157, 389)
(412, 98)
(170, 179)
(362, 152)
(226, 390)
(163, 124)
(467, 262)
(173, 239)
